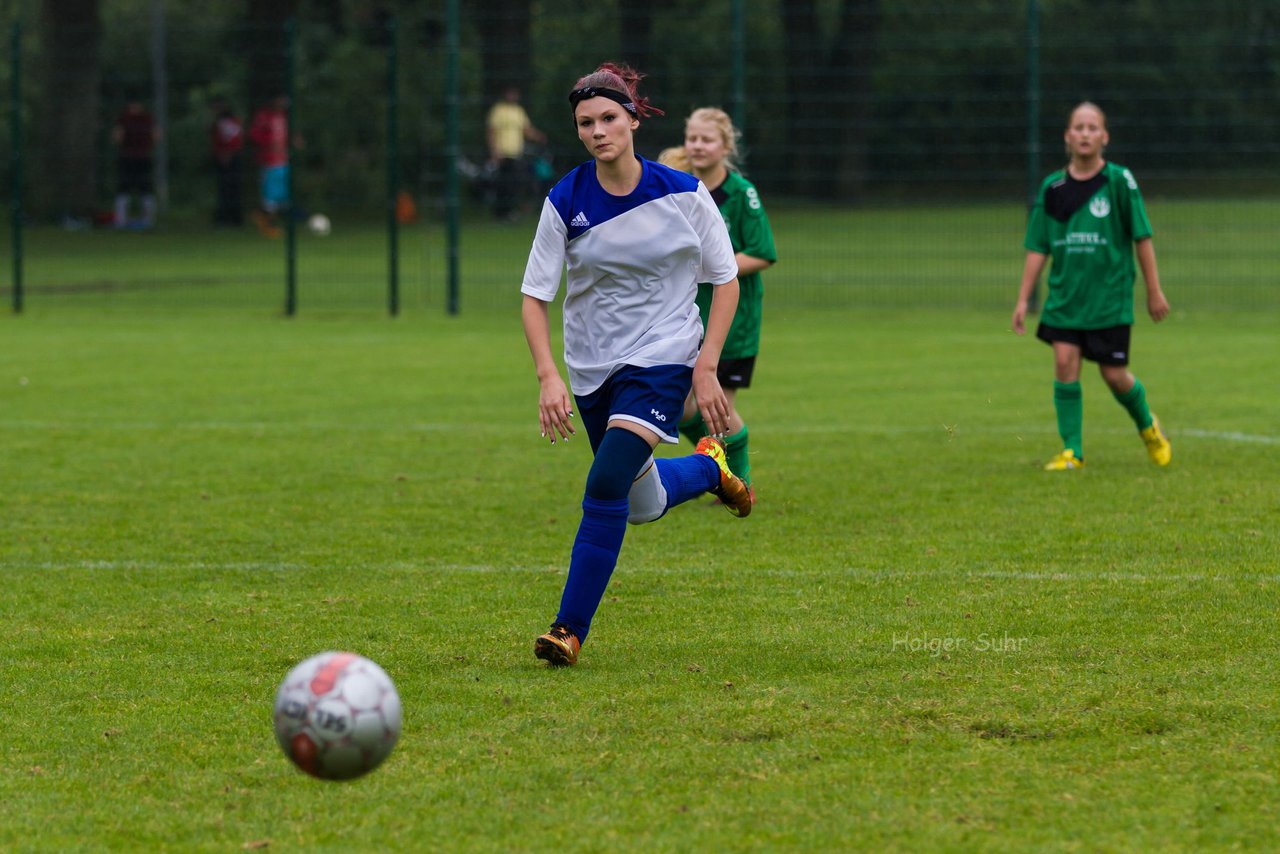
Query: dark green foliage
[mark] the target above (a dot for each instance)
(846, 100)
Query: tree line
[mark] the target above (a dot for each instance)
(844, 99)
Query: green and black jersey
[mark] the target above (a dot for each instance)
(749, 232)
(1089, 228)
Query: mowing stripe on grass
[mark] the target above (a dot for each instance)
(489, 427)
(462, 568)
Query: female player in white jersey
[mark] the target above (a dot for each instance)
(634, 239)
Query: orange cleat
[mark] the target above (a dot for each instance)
(558, 647)
(732, 492)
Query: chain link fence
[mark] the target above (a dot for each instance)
(895, 143)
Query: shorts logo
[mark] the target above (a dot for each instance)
(1100, 207)
(1117, 355)
(658, 415)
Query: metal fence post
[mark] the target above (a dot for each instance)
(1033, 121)
(15, 163)
(1033, 100)
(160, 100)
(738, 42)
(393, 171)
(451, 135)
(290, 207)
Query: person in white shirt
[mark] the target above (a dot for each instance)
(633, 239)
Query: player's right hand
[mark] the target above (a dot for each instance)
(555, 409)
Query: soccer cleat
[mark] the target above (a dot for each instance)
(558, 647)
(266, 225)
(732, 492)
(1158, 447)
(751, 489)
(1064, 461)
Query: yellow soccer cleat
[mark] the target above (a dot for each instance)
(732, 492)
(1064, 461)
(1158, 447)
(558, 647)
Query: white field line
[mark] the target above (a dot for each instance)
(950, 430)
(1230, 436)
(853, 572)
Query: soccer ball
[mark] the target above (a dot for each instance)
(337, 715)
(319, 224)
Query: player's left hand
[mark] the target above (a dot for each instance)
(1018, 322)
(712, 403)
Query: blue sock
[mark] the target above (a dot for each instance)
(687, 477)
(595, 554)
(604, 522)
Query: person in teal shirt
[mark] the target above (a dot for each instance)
(709, 152)
(1089, 218)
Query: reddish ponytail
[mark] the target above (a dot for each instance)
(623, 78)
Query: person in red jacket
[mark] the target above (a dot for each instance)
(226, 144)
(269, 132)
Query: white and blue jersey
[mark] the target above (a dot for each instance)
(633, 266)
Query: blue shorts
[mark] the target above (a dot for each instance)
(651, 397)
(275, 187)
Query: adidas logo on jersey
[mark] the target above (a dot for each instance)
(580, 221)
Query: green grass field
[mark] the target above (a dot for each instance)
(919, 640)
(1214, 256)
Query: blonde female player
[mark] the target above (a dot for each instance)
(636, 238)
(1089, 217)
(711, 149)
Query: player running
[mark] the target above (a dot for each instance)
(636, 238)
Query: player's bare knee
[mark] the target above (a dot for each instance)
(1117, 378)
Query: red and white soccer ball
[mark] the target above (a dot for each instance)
(337, 715)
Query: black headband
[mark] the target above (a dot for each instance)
(588, 92)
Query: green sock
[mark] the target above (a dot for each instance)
(1135, 401)
(693, 428)
(735, 453)
(1069, 404)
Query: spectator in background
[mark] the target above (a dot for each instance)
(506, 131)
(269, 132)
(226, 143)
(135, 136)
